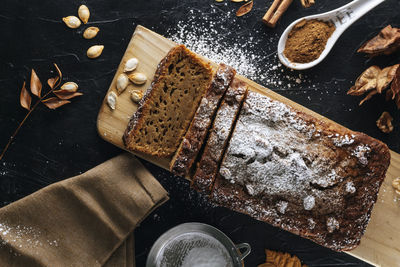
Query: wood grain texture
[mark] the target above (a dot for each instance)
(379, 246)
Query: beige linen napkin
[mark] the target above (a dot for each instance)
(87, 220)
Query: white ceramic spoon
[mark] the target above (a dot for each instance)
(342, 17)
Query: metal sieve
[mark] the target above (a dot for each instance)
(175, 246)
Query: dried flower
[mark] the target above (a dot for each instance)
(72, 22)
(386, 42)
(84, 13)
(368, 97)
(95, 51)
(246, 8)
(90, 32)
(395, 87)
(366, 81)
(375, 81)
(385, 77)
(384, 122)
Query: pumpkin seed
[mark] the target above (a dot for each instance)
(72, 22)
(138, 78)
(112, 100)
(122, 83)
(95, 51)
(90, 32)
(84, 13)
(131, 64)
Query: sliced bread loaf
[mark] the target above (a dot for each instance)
(166, 110)
(188, 150)
(207, 168)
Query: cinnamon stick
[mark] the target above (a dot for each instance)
(276, 10)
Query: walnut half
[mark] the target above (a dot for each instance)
(384, 122)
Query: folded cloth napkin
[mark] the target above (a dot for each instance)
(87, 220)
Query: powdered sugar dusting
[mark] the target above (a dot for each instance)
(281, 206)
(361, 152)
(241, 48)
(268, 152)
(23, 237)
(350, 188)
(309, 202)
(332, 224)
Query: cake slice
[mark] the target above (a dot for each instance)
(166, 110)
(310, 177)
(188, 150)
(207, 168)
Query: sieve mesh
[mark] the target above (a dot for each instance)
(194, 249)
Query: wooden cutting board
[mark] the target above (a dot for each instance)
(379, 246)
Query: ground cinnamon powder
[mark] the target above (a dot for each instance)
(307, 40)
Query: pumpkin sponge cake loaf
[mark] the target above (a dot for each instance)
(166, 110)
(310, 177)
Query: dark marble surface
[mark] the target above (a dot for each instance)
(54, 145)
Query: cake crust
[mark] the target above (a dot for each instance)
(188, 150)
(165, 111)
(307, 176)
(207, 167)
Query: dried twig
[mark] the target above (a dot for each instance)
(36, 89)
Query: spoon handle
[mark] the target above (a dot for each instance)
(350, 13)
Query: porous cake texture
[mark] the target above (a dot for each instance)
(307, 176)
(166, 110)
(191, 144)
(207, 167)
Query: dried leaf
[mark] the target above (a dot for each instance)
(395, 88)
(25, 98)
(243, 10)
(66, 94)
(386, 42)
(366, 81)
(52, 82)
(36, 85)
(384, 122)
(54, 102)
(385, 77)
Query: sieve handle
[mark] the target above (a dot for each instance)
(246, 252)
